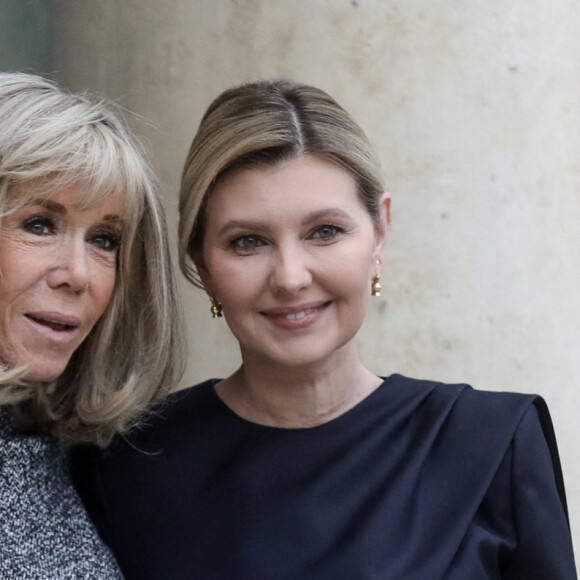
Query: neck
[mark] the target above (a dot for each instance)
(294, 398)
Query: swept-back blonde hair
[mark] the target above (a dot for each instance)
(49, 140)
(264, 123)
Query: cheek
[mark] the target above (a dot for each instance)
(237, 292)
(104, 286)
(358, 292)
(353, 273)
(234, 282)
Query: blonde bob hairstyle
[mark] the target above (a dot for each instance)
(265, 123)
(51, 140)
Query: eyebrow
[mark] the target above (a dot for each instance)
(49, 204)
(113, 217)
(314, 216)
(60, 209)
(326, 213)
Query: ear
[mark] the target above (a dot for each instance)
(382, 227)
(204, 274)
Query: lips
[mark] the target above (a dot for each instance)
(55, 321)
(298, 317)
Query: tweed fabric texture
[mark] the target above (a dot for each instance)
(45, 532)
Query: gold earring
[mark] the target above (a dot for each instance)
(216, 308)
(376, 285)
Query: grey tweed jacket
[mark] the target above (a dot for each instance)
(45, 533)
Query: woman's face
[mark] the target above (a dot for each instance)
(57, 273)
(290, 252)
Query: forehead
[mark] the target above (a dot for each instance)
(301, 181)
(68, 199)
(55, 191)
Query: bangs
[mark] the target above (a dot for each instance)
(96, 163)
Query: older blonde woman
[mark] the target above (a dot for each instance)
(89, 333)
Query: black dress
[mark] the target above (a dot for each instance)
(419, 481)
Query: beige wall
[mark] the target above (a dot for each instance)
(475, 110)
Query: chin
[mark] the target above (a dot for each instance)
(37, 364)
(44, 373)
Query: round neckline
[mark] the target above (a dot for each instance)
(364, 402)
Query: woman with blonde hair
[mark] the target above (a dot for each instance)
(89, 333)
(304, 464)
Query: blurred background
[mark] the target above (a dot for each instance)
(474, 108)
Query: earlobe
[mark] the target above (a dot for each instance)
(383, 226)
(203, 274)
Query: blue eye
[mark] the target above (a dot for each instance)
(108, 241)
(248, 242)
(40, 225)
(326, 232)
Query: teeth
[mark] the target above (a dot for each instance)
(299, 315)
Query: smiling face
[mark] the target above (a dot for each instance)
(290, 252)
(57, 273)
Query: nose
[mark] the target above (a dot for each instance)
(291, 271)
(71, 266)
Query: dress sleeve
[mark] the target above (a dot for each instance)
(86, 478)
(544, 545)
